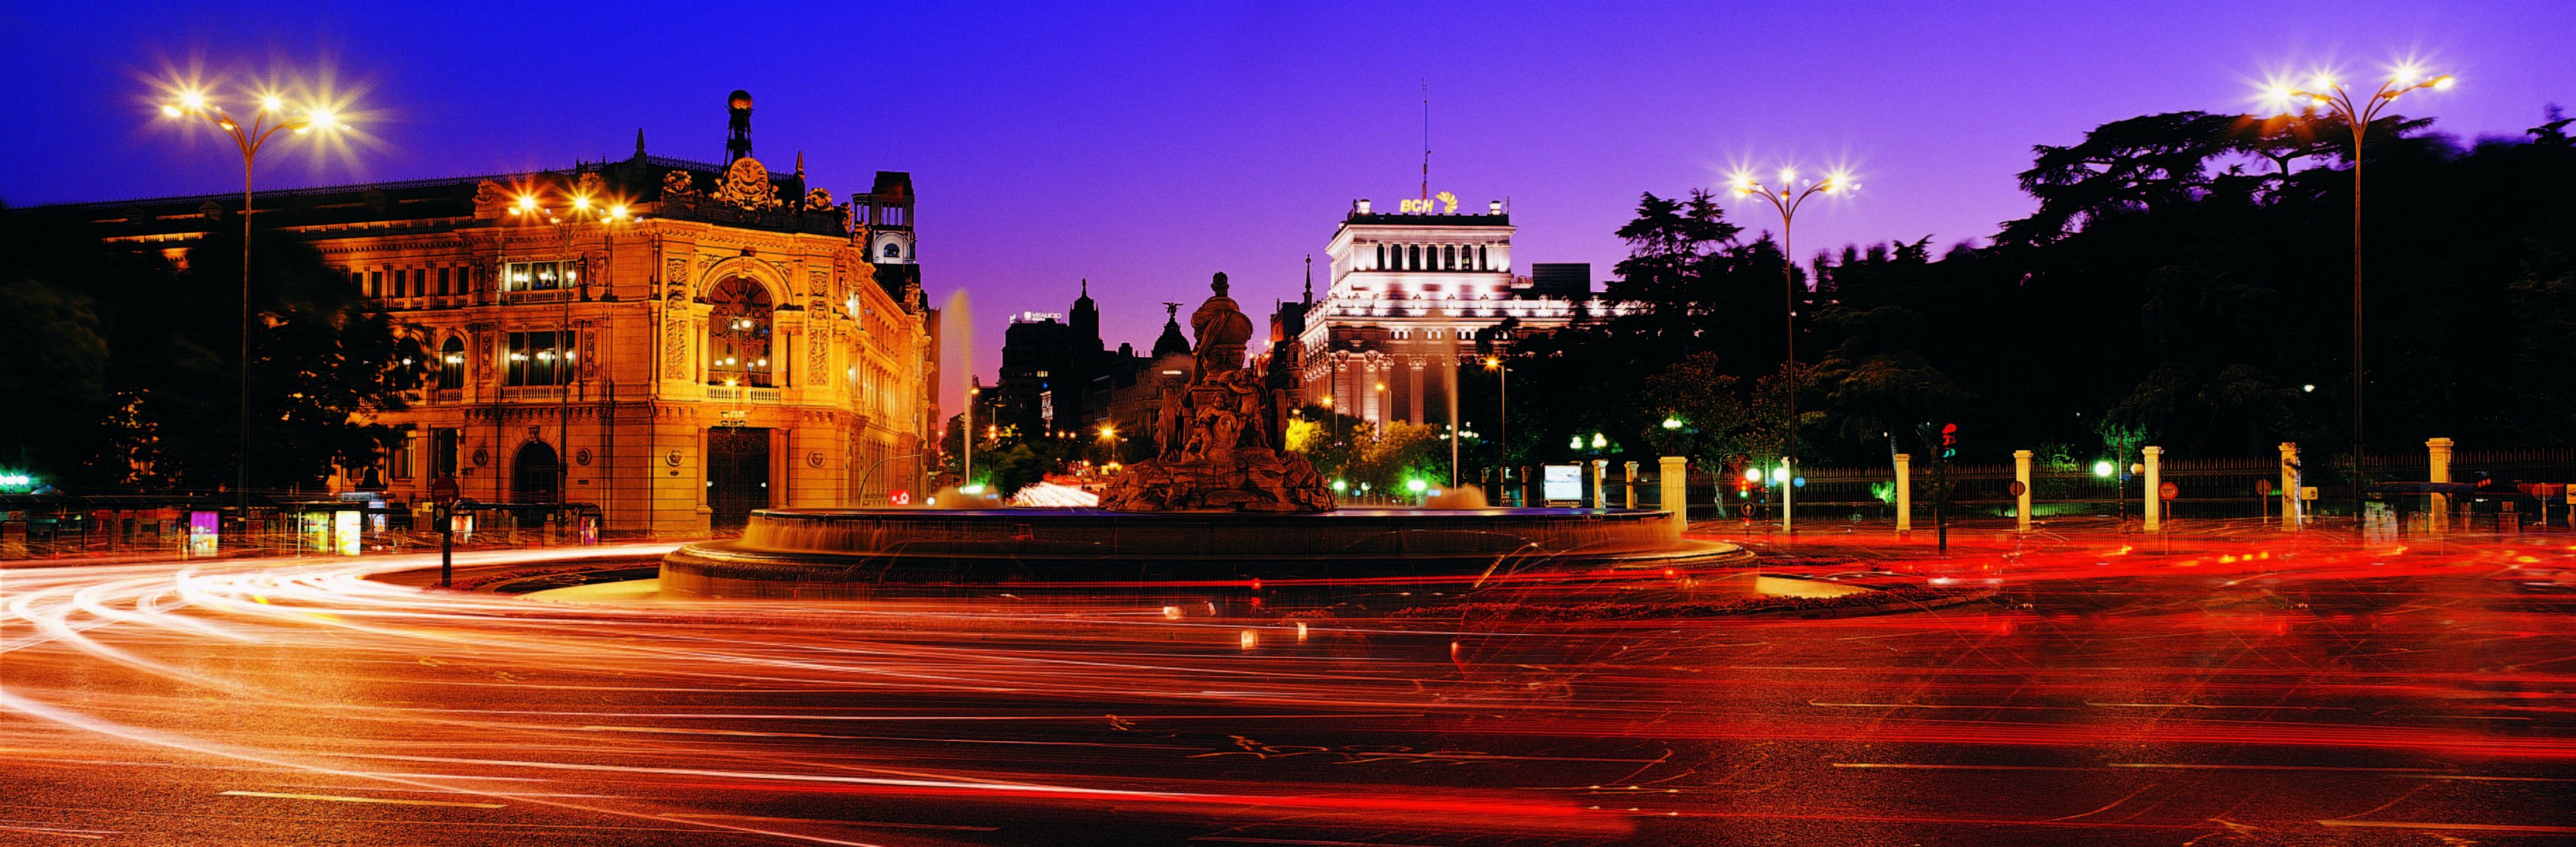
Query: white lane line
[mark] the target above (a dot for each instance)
(339, 799)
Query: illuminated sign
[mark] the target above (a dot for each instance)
(1561, 482)
(1443, 203)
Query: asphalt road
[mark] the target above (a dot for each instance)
(2217, 689)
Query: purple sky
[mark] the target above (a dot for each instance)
(1147, 147)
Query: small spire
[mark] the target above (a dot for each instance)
(800, 164)
(1310, 279)
(1086, 286)
(639, 142)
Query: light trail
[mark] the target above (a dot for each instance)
(2102, 688)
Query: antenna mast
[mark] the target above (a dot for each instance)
(1426, 140)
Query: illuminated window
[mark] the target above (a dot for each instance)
(738, 333)
(450, 364)
(536, 276)
(540, 358)
(893, 250)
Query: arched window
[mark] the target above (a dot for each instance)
(451, 364)
(738, 333)
(893, 250)
(1381, 259)
(1481, 258)
(1413, 257)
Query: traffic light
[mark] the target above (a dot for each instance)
(1949, 441)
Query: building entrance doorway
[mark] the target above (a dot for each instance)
(737, 474)
(536, 475)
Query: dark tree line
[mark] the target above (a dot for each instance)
(128, 371)
(2184, 281)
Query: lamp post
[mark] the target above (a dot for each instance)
(581, 208)
(1786, 196)
(250, 138)
(1502, 412)
(2357, 112)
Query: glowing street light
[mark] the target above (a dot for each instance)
(1785, 196)
(1671, 422)
(2357, 111)
(1503, 411)
(2104, 468)
(250, 138)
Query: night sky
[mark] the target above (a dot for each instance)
(1145, 147)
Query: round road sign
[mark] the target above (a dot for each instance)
(2168, 491)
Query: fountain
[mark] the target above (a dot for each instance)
(1221, 500)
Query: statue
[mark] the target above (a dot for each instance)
(1218, 444)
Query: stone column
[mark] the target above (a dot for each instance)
(1904, 492)
(1413, 393)
(2289, 485)
(1600, 483)
(1628, 498)
(2438, 451)
(2155, 507)
(2021, 502)
(1375, 403)
(1674, 477)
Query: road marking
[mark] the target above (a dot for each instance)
(339, 799)
(682, 816)
(2476, 827)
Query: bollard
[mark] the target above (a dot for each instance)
(1904, 492)
(1673, 475)
(2438, 456)
(2290, 485)
(2155, 490)
(2021, 501)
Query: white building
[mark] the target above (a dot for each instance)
(1410, 292)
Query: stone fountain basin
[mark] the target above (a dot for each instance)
(804, 552)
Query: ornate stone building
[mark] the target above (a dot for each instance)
(678, 342)
(1410, 292)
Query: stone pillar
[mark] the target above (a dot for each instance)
(1376, 400)
(1600, 483)
(2155, 507)
(1674, 477)
(2021, 502)
(1413, 394)
(2438, 451)
(2289, 485)
(1904, 492)
(1628, 498)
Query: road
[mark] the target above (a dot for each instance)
(2232, 686)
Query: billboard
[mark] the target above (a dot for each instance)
(1561, 482)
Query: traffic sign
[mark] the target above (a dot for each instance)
(2168, 491)
(443, 490)
(2263, 487)
(2018, 488)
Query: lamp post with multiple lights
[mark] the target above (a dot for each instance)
(250, 138)
(579, 208)
(2357, 111)
(1786, 197)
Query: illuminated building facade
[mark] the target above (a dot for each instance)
(677, 342)
(1410, 293)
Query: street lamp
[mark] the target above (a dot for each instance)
(1786, 196)
(272, 118)
(2331, 95)
(1503, 411)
